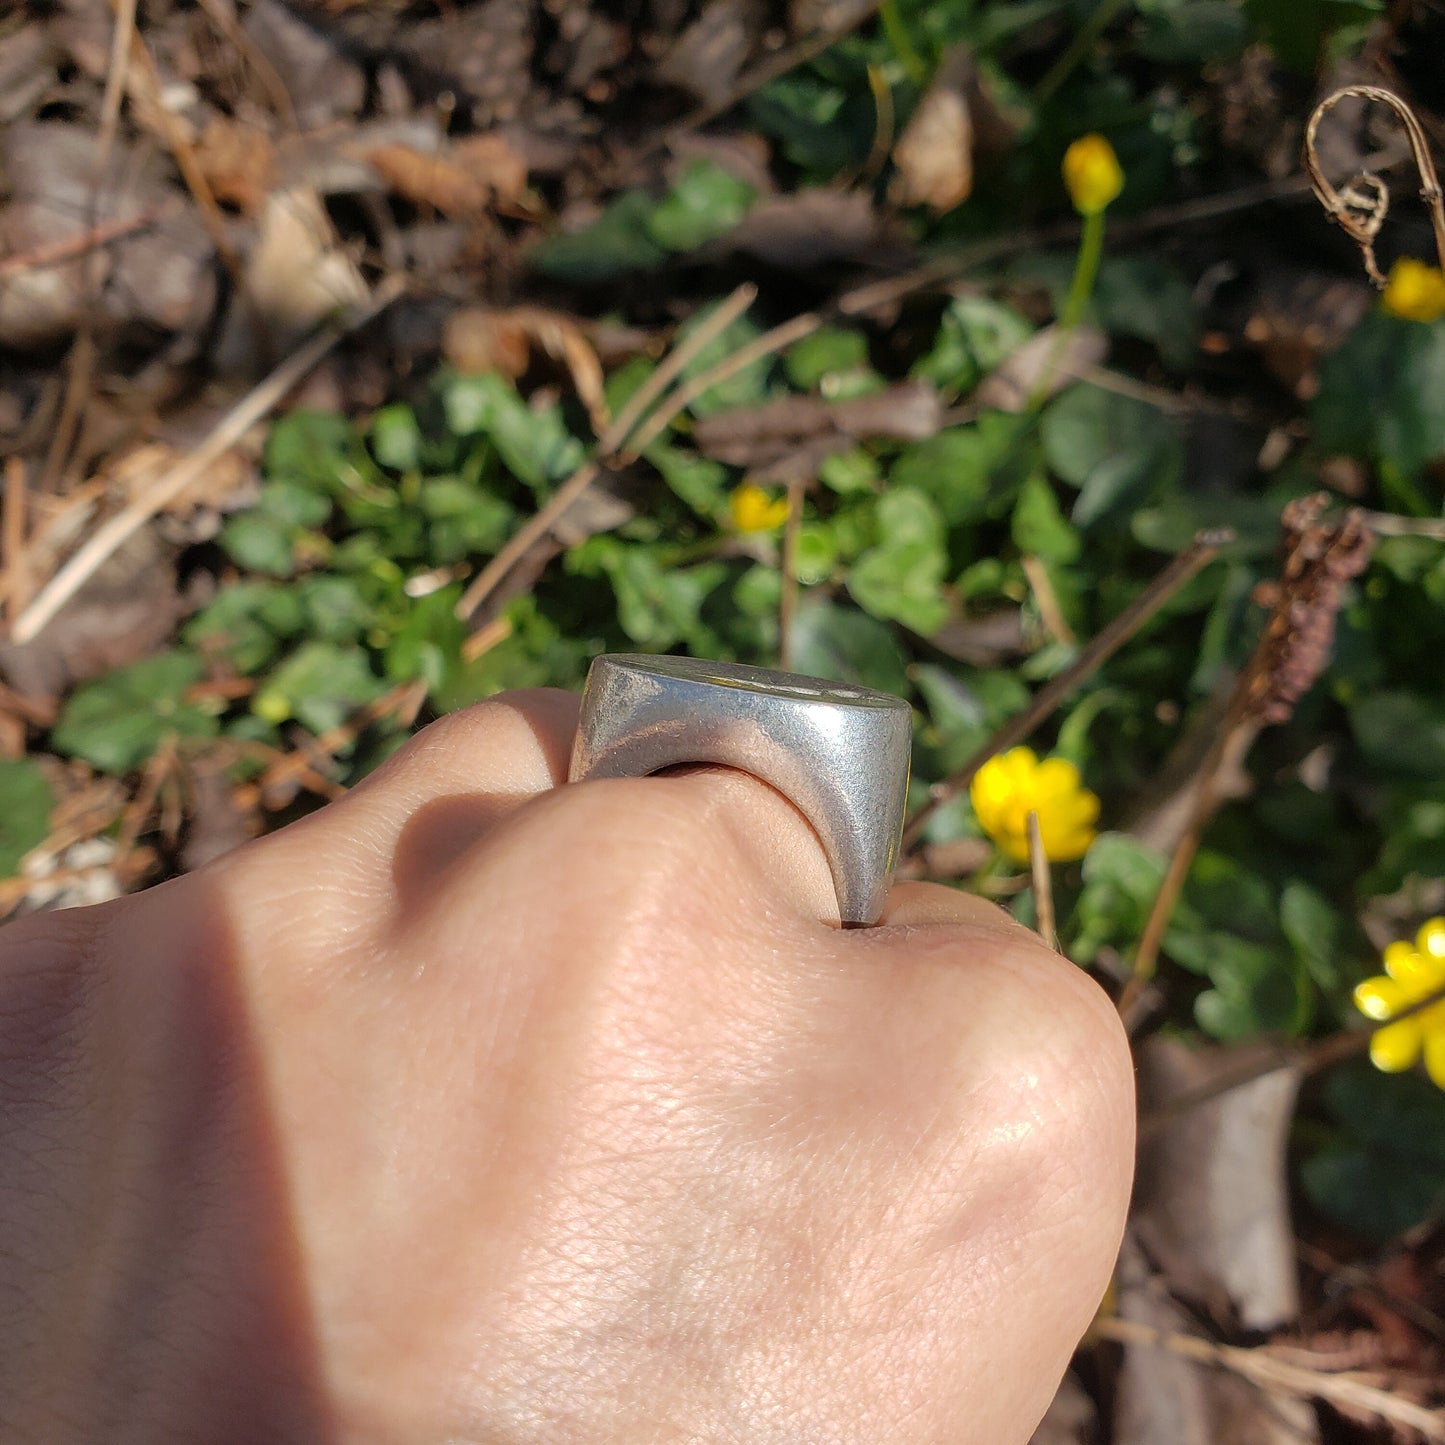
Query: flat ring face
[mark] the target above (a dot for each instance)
(839, 753)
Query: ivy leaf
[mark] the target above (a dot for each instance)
(657, 606)
(1040, 528)
(1117, 450)
(116, 721)
(310, 448)
(619, 241)
(902, 576)
(1121, 878)
(707, 202)
(534, 443)
(848, 646)
(25, 804)
(971, 472)
(320, 685)
(396, 440)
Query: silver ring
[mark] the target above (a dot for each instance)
(840, 754)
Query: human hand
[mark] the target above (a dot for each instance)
(477, 1109)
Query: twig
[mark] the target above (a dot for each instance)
(1047, 600)
(12, 540)
(1096, 652)
(608, 446)
(120, 49)
(171, 484)
(762, 346)
(780, 63)
(1347, 1389)
(1043, 883)
(1361, 212)
(1391, 524)
(1321, 1054)
(1083, 42)
(788, 598)
(70, 248)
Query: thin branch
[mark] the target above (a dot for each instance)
(1099, 649)
(14, 581)
(71, 248)
(1348, 1389)
(608, 446)
(788, 599)
(1043, 884)
(1390, 524)
(166, 488)
(1360, 209)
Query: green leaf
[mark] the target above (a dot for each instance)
(1145, 297)
(428, 644)
(1039, 526)
(1384, 1171)
(744, 388)
(707, 202)
(244, 622)
(310, 448)
(1121, 878)
(619, 241)
(396, 438)
(850, 473)
(902, 576)
(337, 608)
(1194, 32)
(827, 351)
(25, 804)
(975, 336)
(971, 472)
(116, 721)
(320, 684)
(848, 646)
(1382, 394)
(259, 542)
(965, 706)
(1314, 931)
(1400, 734)
(821, 128)
(534, 443)
(657, 606)
(1116, 449)
(698, 481)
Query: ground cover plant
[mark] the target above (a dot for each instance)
(998, 356)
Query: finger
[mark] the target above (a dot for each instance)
(424, 807)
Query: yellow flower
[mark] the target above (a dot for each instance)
(1414, 291)
(754, 511)
(1412, 972)
(1092, 174)
(1007, 788)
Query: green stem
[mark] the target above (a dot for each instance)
(1083, 42)
(902, 45)
(1081, 287)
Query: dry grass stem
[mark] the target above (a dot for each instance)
(1321, 556)
(788, 599)
(1043, 884)
(609, 445)
(1361, 207)
(1265, 1369)
(255, 405)
(1047, 601)
(14, 583)
(1096, 652)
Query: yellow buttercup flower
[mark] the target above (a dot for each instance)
(1413, 972)
(1007, 788)
(753, 510)
(1414, 291)
(1092, 174)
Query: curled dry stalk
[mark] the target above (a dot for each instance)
(1361, 207)
(1320, 557)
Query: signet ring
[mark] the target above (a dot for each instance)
(838, 753)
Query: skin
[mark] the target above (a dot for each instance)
(477, 1109)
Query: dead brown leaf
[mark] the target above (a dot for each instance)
(767, 435)
(1046, 363)
(297, 274)
(238, 161)
(462, 181)
(479, 339)
(934, 155)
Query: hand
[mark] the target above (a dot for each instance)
(477, 1109)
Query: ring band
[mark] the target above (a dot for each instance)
(839, 754)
